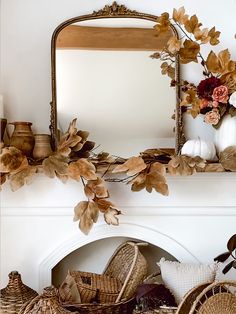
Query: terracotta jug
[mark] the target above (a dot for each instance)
(42, 146)
(22, 137)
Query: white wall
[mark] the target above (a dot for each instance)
(200, 212)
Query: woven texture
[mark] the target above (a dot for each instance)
(217, 298)
(96, 288)
(46, 303)
(129, 267)
(15, 294)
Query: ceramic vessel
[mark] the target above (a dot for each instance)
(22, 137)
(42, 146)
(226, 134)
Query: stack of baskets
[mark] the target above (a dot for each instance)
(128, 268)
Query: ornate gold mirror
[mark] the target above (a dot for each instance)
(102, 74)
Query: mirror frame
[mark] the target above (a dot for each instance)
(113, 11)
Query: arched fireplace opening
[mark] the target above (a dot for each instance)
(94, 256)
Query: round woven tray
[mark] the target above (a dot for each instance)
(15, 294)
(217, 298)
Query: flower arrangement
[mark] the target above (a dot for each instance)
(215, 95)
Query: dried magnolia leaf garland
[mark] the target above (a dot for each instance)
(75, 160)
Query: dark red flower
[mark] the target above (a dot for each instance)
(206, 87)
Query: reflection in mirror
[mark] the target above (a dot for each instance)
(106, 78)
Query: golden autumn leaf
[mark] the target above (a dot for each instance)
(192, 24)
(228, 158)
(156, 181)
(190, 98)
(11, 159)
(189, 51)
(132, 166)
(110, 216)
(96, 188)
(220, 64)
(202, 35)
(173, 45)
(163, 23)
(179, 15)
(158, 167)
(214, 36)
(55, 165)
(82, 168)
(87, 213)
(22, 177)
(229, 80)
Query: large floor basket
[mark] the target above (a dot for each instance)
(129, 266)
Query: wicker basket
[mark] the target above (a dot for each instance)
(46, 303)
(96, 288)
(15, 294)
(129, 266)
(217, 298)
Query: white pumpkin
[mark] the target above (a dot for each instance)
(198, 147)
(226, 134)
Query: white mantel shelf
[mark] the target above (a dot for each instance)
(193, 223)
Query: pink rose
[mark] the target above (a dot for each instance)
(220, 94)
(215, 104)
(212, 117)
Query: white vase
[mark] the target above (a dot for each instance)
(226, 134)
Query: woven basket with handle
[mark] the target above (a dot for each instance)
(127, 265)
(15, 294)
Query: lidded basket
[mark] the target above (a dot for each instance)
(15, 294)
(47, 302)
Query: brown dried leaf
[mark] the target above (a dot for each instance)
(82, 168)
(192, 24)
(179, 15)
(96, 188)
(229, 80)
(168, 69)
(22, 177)
(185, 165)
(173, 45)
(110, 216)
(163, 23)
(104, 205)
(155, 180)
(214, 168)
(87, 213)
(202, 35)
(10, 159)
(55, 165)
(228, 158)
(214, 35)
(132, 166)
(138, 183)
(158, 167)
(220, 64)
(189, 51)
(69, 139)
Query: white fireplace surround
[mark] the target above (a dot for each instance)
(193, 223)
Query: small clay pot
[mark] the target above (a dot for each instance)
(42, 146)
(22, 137)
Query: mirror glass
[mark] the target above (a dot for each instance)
(106, 78)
